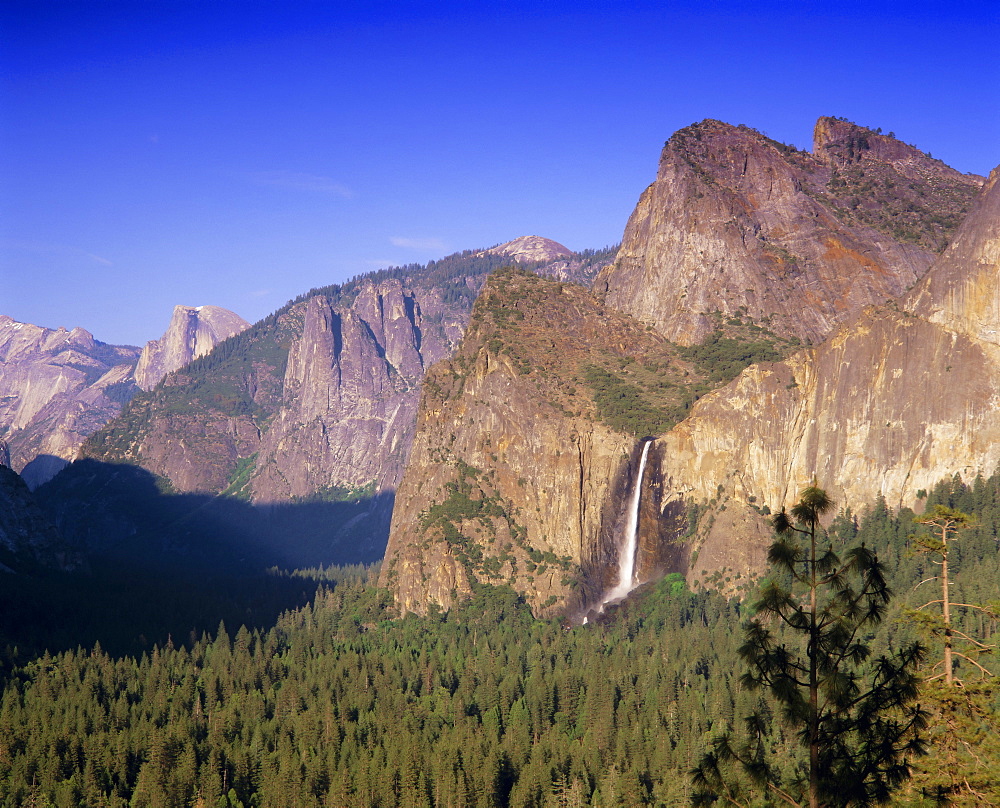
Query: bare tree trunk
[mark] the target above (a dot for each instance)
(813, 679)
(946, 609)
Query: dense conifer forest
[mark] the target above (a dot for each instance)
(340, 703)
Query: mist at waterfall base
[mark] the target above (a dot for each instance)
(630, 541)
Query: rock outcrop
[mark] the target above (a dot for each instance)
(740, 224)
(527, 249)
(56, 387)
(889, 405)
(514, 476)
(193, 332)
(350, 395)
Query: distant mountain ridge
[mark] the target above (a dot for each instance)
(317, 402)
(57, 387)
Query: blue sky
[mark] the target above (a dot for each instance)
(239, 153)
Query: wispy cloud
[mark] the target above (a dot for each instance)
(299, 181)
(418, 243)
(260, 293)
(64, 250)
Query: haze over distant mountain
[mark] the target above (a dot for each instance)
(58, 386)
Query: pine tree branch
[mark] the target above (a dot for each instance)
(985, 671)
(963, 636)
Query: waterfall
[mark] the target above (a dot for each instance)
(626, 558)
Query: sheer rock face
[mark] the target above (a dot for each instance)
(512, 478)
(193, 332)
(963, 292)
(890, 404)
(739, 224)
(56, 387)
(350, 396)
(338, 414)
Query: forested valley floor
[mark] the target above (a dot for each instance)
(341, 703)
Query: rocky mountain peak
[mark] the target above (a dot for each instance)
(532, 248)
(719, 152)
(740, 225)
(56, 386)
(193, 332)
(837, 141)
(841, 144)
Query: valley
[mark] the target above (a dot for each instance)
(369, 550)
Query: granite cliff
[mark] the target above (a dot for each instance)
(521, 463)
(350, 392)
(317, 401)
(740, 224)
(527, 439)
(193, 331)
(56, 387)
(895, 400)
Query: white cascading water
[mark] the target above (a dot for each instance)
(626, 560)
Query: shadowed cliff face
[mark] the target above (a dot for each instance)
(193, 332)
(56, 387)
(28, 540)
(739, 224)
(889, 405)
